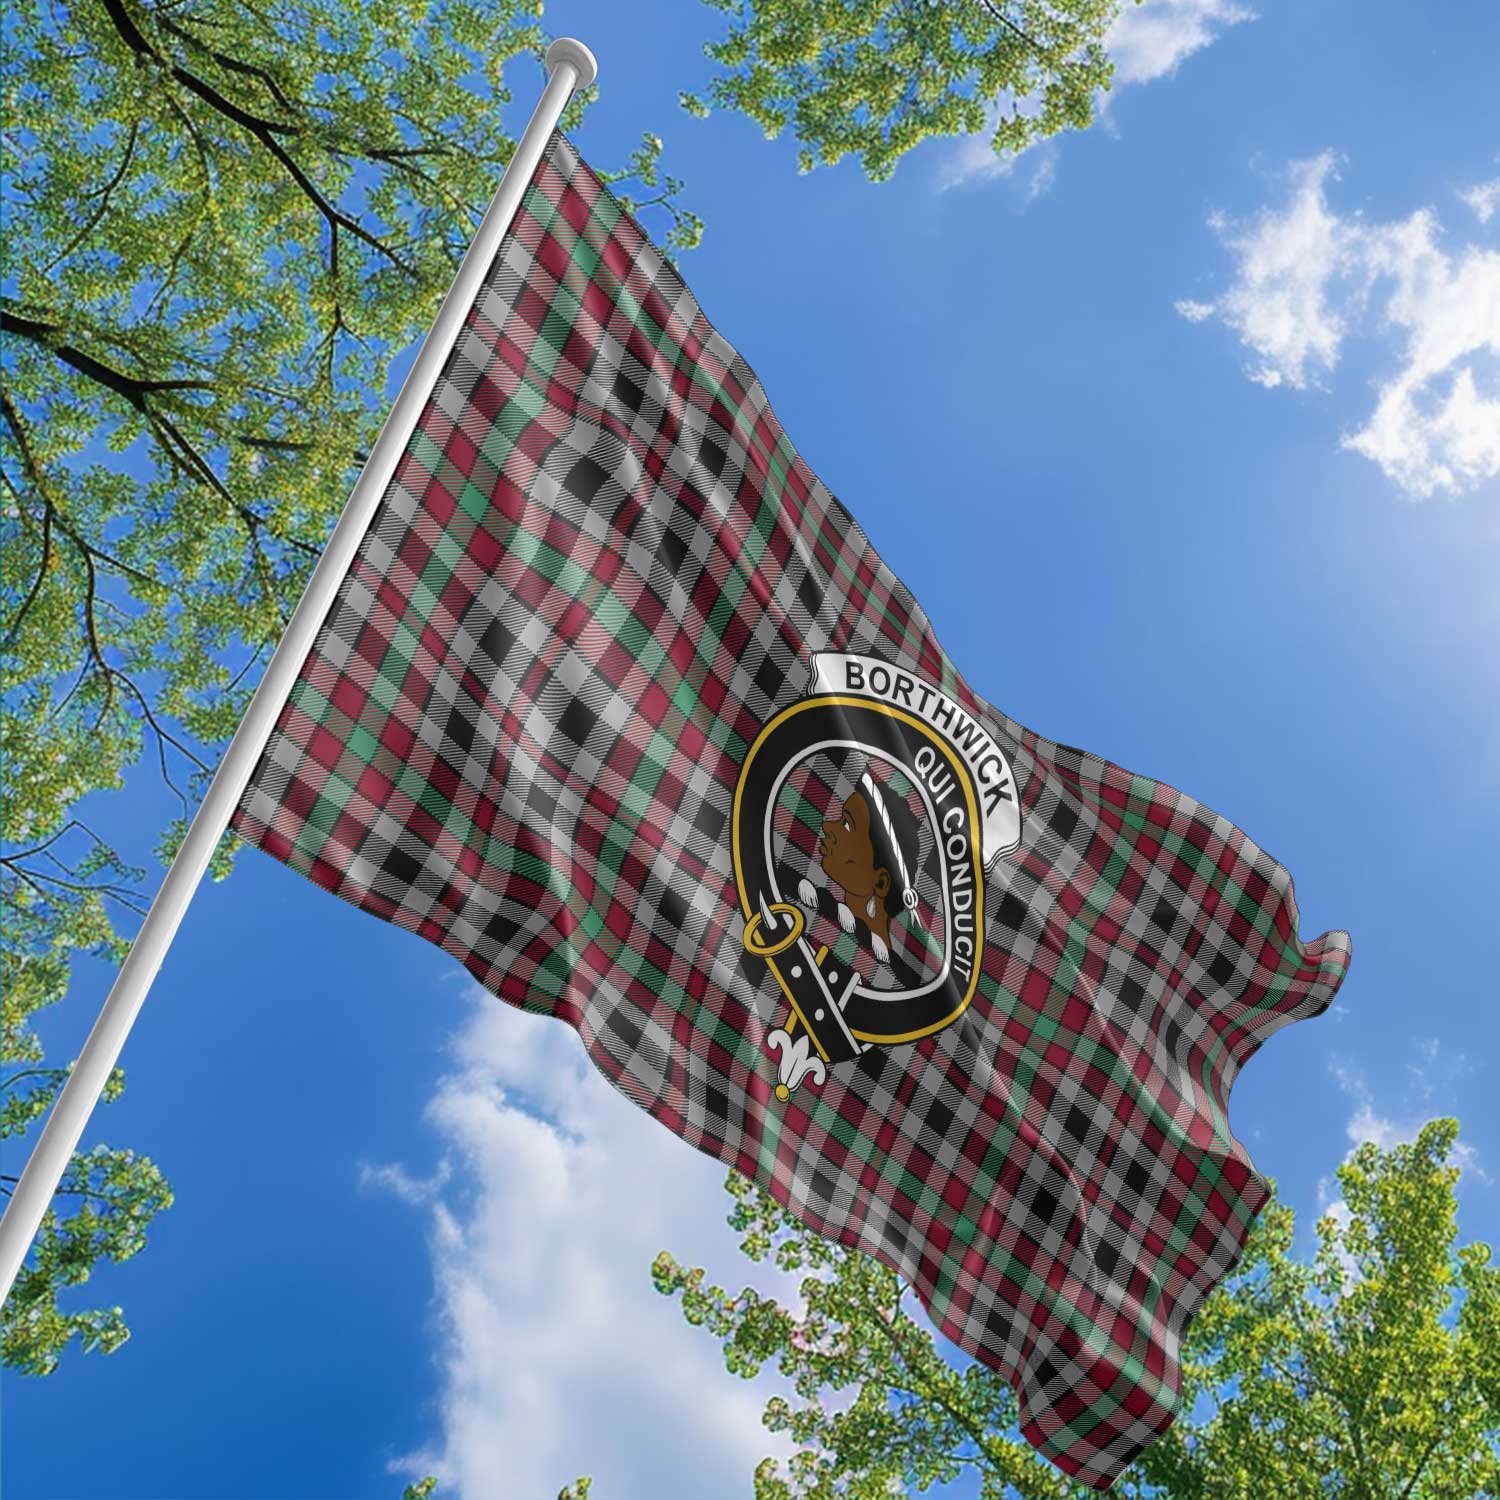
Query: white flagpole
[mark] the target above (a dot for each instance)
(570, 66)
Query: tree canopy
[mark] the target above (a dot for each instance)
(875, 78)
(223, 222)
(1369, 1371)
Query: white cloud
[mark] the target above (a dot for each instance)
(1151, 40)
(971, 160)
(1437, 1071)
(1306, 277)
(1484, 199)
(1436, 1074)
(1042, 171)
(1432, 429)
(1194, 312)
(394, 1179)
(557, 1356)
(1281, 303)
(1146, 42)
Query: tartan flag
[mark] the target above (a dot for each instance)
(619, 707)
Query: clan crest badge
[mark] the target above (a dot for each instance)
(876, 803)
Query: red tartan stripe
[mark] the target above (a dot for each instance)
(594, 422)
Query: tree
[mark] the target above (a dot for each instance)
(223, 222)
(1369, 1372)
(113, 1194)
(423, 1489)
(874, 78)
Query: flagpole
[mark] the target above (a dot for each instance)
(570, 66)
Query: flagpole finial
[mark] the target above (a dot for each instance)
(568, 49)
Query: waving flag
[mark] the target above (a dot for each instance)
(619, 707)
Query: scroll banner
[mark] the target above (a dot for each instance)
(995, 784)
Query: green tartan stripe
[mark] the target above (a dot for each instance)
(568, 362)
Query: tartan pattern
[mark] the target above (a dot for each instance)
(592, 579)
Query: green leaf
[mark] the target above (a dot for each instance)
(873, 79)
(1301, 1379)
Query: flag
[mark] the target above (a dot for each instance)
(619, 707)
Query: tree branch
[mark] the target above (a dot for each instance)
(11, 1079)
(929, 1392)
(104, 196)
(263, 130)
(1421, 1464)
(231, 64)
(1011, 26)
(118, 893)
(41, 575)
(134, 389)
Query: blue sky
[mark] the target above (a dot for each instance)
(1187, 434)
